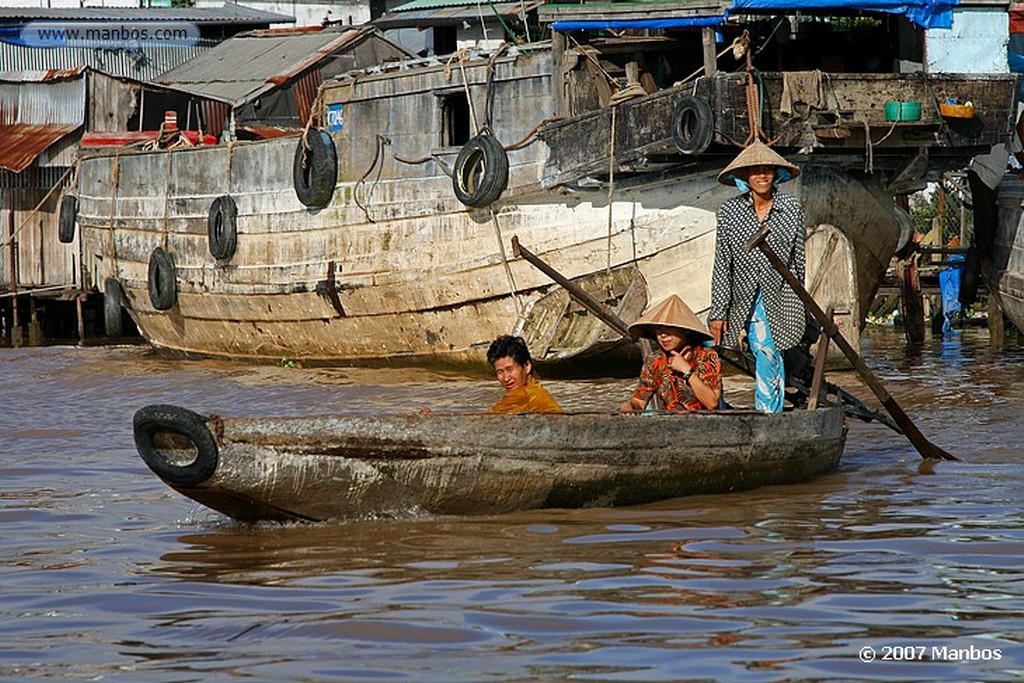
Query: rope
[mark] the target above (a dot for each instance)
(116, 178)
(752, 94)
(377, 156)
(10, 238)
(734, 47)
(167, 202)
(611, 187)
(489, 87)
(315, 111)
(462, 55)
(513, 289)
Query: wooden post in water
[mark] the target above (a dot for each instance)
(996, 321)
(80, 318)
(926, 448)
(911, 299)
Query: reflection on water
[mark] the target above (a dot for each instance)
(107, 573)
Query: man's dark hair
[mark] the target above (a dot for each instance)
(511, 347)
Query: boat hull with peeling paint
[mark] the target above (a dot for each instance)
(358, 467)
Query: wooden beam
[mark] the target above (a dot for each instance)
(710, 56)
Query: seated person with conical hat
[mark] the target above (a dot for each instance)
(683, 373)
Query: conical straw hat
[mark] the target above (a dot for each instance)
(758, 154)
(672, 312)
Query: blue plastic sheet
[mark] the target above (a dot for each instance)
(949, 288)
(924, 13)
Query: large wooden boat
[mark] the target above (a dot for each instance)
(384, 232)
(1004, 272)
(353, 467)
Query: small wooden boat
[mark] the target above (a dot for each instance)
(352, 467)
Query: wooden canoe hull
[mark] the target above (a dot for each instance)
(353, 467)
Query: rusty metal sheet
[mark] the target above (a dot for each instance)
(22, 143)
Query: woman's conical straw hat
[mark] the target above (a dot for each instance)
(758, 154)
(672, 312)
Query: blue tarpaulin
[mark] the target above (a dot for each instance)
(949, 288)
(924, 13)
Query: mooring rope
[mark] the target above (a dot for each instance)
(382, 142)
(513, 289)
(461, 56)
(611, 187)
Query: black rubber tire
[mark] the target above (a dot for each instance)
(222, 227)
(169, 464)
(112, 297)
(693, 124)
(480, 173)
(163, 281)
(970, 276)
(66, 219)
(315, 171)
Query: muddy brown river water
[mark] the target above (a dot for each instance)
(875, 572)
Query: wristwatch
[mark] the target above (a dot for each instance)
(686, 375)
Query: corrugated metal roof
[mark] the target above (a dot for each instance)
(143, 64)
(21, 143)
(228, 14)
(28, 76)
(247, 64)
(446, 12)
(415, 5)
(43, 102)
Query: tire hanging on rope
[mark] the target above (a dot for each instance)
(315, 169)
(480, 173)
(693, 124)
(112, 296)
(66, 219)
(163, 280)
(222, 228)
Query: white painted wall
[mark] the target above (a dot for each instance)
(977, 43)
(306, 13)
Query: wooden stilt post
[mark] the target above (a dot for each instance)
(80, 318)
(996, 323)
(35, 331)
(911, 301)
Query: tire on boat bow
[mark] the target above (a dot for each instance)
(113, 294)
(315, 169)
(163, 280)
(693, 124)
(222, 228)
(480, 173)
(176, 444)
(66, 219)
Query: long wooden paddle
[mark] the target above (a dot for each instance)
(925, 447)
(852, 405)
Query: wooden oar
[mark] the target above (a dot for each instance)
(575, 291)
(856, 407)
(925, 447)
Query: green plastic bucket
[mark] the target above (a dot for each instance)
(902, 111)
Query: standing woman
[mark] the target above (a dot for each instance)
(747, 293)
(685, 375)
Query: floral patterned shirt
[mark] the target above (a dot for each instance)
(675, 394)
